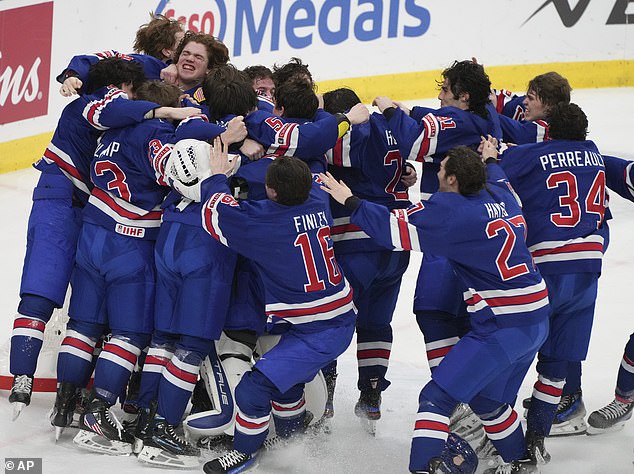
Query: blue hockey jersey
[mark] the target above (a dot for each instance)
(562, 186)
(127, 172)
(367, 158)
(620, 176)
(482, 236)
(427, 134)
(80, 125)
(291, 249)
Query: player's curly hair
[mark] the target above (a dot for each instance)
(291, 179)
(156, 35)
(229, 91)
(258, 72)
(551, 88)
(469, 77)
(115, 72)
(297, 97)
(467, 166)
(567, 122)
(217, 52)
(294, 68)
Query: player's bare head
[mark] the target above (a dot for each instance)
(467, 77)
(551, 88)
(567, 122)
(340, 100)
(229, 91)
(296, 98)
(258, 72)
(161, 93)
(295, 68)
(466, 165)
(159, 37)
(290, 180)
(115, 72)
(261, 79)
(217, 52)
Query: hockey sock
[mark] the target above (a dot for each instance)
(442, 331)
(573, 378)
(28, 333)
(625, 381)
(431, 427)
(373, 355)
(289, 411)
(180, 376)
(546, 397)
(253, 399)
(115, 364)
(75, 357)
(502, 426)
(158, 356)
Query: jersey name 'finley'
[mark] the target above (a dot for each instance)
(310, 221)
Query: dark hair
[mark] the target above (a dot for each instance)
(466, 165)
(160, 93)
(551, 88)
(340, 100)
(469, 77)
(157, 35)
(291, 179)
(229, 91)
(297, 98)
(567, 122)
(217, 52)
(116, 72)
(294, 68)
(258, 72)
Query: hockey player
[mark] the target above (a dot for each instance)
(262, 78)
(308, 300)
(113, 278)
(561, 183)
(54, 222)
(506, 297)
(369, 160)
(159, 38)
(464, 117)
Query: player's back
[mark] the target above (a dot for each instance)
(127, 174)
(562, 187)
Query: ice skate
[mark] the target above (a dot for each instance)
(536, 449)
(522, 466)
(368, 408)
(487, 453)
(216, 443)
(465, 423)
(101, 431)
(324, 423)
(231, 463)
(20, 396)
(570, 416)
(64, 409)
(611, 417)
(163, 447)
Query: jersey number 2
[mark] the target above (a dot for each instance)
(502, 260)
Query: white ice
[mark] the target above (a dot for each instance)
(348, 449)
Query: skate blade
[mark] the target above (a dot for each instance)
(100, 444)
(592, 431)
(162, 458)
(569, 428)
(17, 409)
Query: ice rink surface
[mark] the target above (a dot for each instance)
(348, 449)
